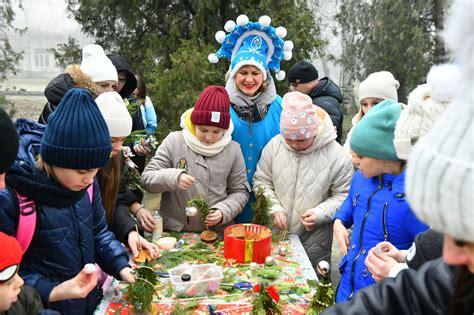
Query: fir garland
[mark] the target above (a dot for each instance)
(141, 293)
(261, 208)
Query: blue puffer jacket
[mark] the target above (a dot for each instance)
(70, 231)
(377, 209)
(253, 137)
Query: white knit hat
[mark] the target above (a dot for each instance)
(425, 104)
(439, 177)
(97, 65)
(115, 114)
(379, 85)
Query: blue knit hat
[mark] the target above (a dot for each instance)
(77, 136)
(373, 135)
(255, 44)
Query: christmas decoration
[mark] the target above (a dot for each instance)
(261, 208)
(325, 295)
(202, 206)
(142, 292)
(266, 301)
(247, 242)
(269, 261)
(283, 250)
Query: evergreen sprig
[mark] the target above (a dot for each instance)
(132, 176)
(264, 303)
(141, 293)
(201, 204)
(179, 309)
(261, 208)
(322, 299)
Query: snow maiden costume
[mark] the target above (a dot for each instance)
(256, 119)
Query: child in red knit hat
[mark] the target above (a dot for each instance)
(201, 160)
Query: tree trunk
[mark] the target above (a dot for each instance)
(438, 19)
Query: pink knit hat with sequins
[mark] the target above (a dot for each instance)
(298, 119)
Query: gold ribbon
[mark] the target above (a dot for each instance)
(248, 251)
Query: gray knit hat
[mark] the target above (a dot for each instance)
(439, 177)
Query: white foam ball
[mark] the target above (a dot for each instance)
(220, 36)
(242, 20)
(281, 32)
(90, 268)
(265, 20)
(288, 55)
(288, 46)
(280, 75)
(229, 26)
(213, 58)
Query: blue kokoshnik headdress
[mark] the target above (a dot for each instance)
(253, 43)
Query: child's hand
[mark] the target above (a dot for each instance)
(127, 275)
(141, 149)
(185, 181)
(76, 288)
(308, 219)
(279, 220)
(388, 249)
(134, 241)
(341, 235)
(379, 264)
(214, 218)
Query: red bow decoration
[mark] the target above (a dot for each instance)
(270, 290)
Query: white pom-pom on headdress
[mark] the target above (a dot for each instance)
(443, 81)
(288, 46)
(220, 36)
(288, 55)
(229, 26)
(213, 58)
(265, 20)
(280, 75)
(242, 20)
(281, 32)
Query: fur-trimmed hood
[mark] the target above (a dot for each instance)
(72, 77)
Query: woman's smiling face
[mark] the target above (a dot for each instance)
(249, 79)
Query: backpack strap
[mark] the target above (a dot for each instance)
(90, 192)
(26, 222)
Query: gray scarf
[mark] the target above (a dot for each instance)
(251, 108)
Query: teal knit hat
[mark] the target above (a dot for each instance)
(77, 136)
(373, 135)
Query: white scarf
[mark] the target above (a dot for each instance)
(200, 148)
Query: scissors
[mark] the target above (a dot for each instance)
(244, 285)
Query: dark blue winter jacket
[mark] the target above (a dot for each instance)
(377, 209)
(70, 231)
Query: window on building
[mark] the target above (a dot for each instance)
(42, 60)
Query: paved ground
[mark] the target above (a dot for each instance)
(26, 106)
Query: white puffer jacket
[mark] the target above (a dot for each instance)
(316, 179)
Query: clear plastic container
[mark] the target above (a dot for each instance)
(205, 279)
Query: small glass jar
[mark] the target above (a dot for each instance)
(157, 233)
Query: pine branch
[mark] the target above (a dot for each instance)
(142, 292)
(261, 208)
(201, 204)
